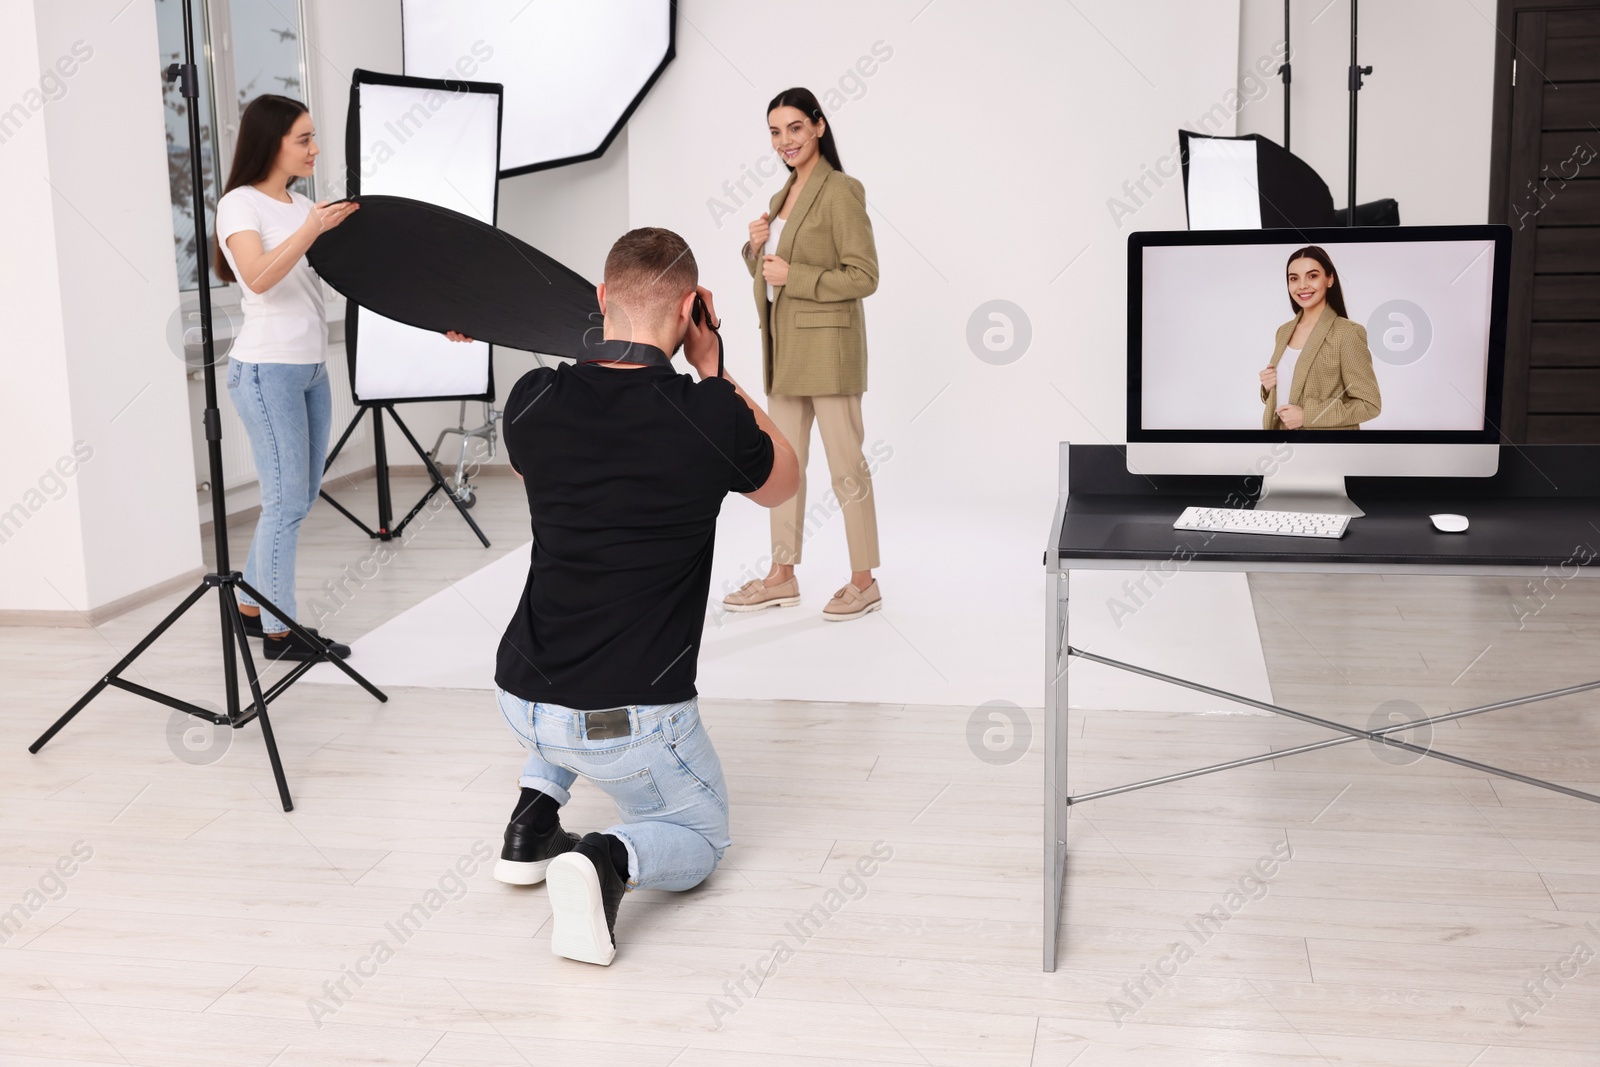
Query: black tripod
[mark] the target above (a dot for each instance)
(226, 582)
(386, 532)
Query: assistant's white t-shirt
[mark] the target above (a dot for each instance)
(287, 323)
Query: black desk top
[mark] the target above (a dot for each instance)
(1541, 509)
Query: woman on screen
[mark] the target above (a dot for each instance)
(1320, 377)
(813, 260)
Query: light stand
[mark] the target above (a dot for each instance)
(1355, 87)
(1283, 73)
(226, 582)
(386, 531)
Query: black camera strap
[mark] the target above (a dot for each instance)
(613, 351)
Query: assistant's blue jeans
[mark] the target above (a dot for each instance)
(287, 410)
(664, 776)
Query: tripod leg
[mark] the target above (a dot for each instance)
(327, 464)
(232, 605)
(149, 639)
(438, 479)
(300, 632)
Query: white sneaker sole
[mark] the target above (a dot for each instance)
(579, 912)
(832, 616)
(777, 602)
(513, 872)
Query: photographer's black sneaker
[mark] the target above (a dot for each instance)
(292, 647)
(585, 892)
(534, 837)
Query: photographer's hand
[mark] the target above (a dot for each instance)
(700, 341)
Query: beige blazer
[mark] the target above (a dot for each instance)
(1333, 379)
(813, 336)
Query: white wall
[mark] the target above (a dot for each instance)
(1425, 111)
(89, 284)
(991, 142)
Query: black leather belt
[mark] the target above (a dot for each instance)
(604, 725)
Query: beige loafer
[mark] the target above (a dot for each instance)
(852, 603)
(755, 595)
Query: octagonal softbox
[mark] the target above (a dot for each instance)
(573, 70)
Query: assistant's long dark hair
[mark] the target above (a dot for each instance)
(807, 104)
(266, 121)
(1335, 286)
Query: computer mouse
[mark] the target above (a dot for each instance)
(1449, 523)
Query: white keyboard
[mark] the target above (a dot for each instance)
(1277, 523)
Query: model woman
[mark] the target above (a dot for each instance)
(813, 260)
(1321, 358)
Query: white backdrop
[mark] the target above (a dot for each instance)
(991, 140)
(1211, 315)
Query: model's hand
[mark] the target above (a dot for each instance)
(700, 342)
(1269, 379)
(775, 270)
(760, 230)
(326, 215)
(459, 337)
(1293, 416)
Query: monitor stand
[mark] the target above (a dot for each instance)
(1315, 492)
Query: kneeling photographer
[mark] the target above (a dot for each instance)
(625, 463)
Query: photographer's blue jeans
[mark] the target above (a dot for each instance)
(287, 410)
(665, 778)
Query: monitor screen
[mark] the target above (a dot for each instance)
(1365, 334)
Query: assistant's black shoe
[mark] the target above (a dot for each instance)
(585, 891)
(534, 837)
(253, 628)
(292, 647)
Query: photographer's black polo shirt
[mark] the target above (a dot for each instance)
(625, 471)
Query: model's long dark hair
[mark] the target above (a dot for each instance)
(1335, 286)
(807, 104)
(266, 121)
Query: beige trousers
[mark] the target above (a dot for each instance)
(839, 419)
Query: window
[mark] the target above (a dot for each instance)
(243, 48)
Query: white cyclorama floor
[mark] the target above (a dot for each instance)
(959, 627)
(1427, 916)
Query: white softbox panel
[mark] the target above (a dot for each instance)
(1222, 190)
(436, 141)
(573, 70)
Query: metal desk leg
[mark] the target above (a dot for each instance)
(1055, 757)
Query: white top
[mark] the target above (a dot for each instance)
(287, 323)
(1286, 374)
(774, 231)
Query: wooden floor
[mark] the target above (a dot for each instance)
(1424, 912)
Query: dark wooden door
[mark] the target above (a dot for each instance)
(1545, 184)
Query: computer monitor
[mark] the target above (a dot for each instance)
(1400, 374)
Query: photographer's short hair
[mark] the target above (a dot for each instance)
(647, 272)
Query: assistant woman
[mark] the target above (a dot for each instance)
(1320, 357)
(813, 259)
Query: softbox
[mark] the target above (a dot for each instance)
(573, 70)
(435, 141)
(1248, 183)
